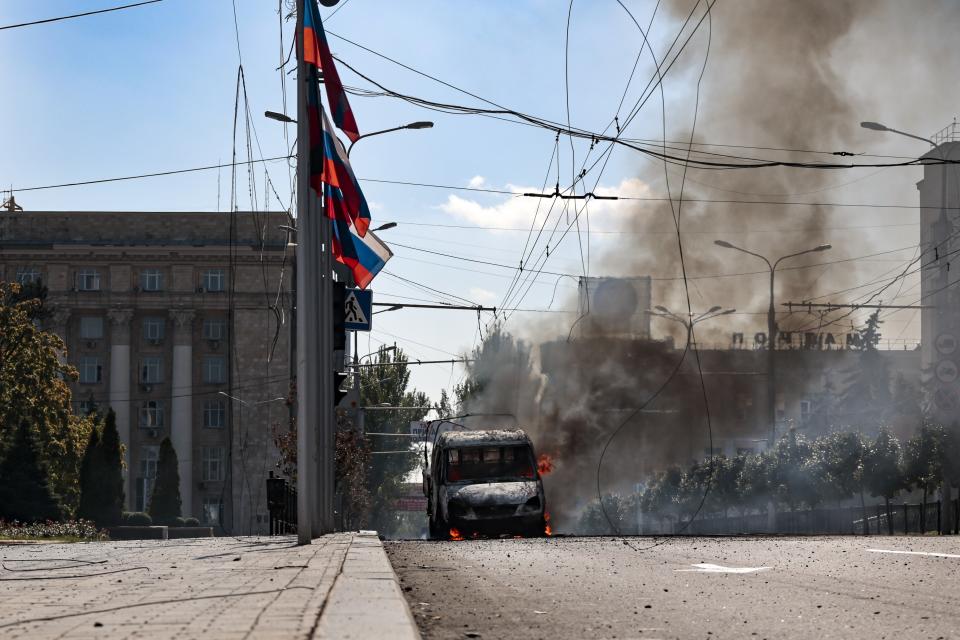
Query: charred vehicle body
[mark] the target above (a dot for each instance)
(484, 482)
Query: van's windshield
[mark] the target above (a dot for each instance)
(490, 463)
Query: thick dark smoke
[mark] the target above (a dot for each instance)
(772, 80)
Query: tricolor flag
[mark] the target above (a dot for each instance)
(364, 256)
(353, 244)
(342, 197)
(316, 53)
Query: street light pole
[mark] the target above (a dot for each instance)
(423, 124)
(315, 420)
(771, 330)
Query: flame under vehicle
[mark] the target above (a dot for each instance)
(484, 482)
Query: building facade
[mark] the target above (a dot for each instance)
(940, 242)
(180, 323)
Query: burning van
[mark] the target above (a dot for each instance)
(484, 482)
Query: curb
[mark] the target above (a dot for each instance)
(365, 600)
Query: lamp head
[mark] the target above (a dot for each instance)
(279, 117)
(385, 226)
(824, 247)
(662, 309)
(423, 124)
(724, 244)
(875, 126)
(714, 309)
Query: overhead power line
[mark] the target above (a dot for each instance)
(79, 15)
(139, 176)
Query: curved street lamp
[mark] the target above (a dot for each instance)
(421, 124)
(772, 326)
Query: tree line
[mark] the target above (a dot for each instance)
(797, 473)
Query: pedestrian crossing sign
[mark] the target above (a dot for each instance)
(357, 306)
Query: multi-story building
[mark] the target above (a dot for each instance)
(179, 322)
(940, 242)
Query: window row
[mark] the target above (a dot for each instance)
(154, 328)
(213, 370)
(153, 414)
(150, 280)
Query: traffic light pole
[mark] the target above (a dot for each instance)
(315, 447)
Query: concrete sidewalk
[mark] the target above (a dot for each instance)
(341, 586)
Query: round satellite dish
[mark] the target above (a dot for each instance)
(946, 343)
(947, 371)
(614, 299)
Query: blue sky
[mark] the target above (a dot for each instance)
(152, 89)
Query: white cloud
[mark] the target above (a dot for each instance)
(518, 211)
(477, 181)
(482, 295)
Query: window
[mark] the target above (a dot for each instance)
(213, 280)
(151, 414)
(91, 327)
(214, 370)
(28, 275)
(488, 463)
(212, 511)
(214, 329)
(214, 414)
(806, 408)
(151, 370)
(91, 371)
(213, 464)
(85, 407)
(153, 329)
(88, 280)
(149, 455)
(151, 280)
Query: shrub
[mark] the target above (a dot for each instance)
(136, 519)
(191, 522)
(179, 522)
(69, 529)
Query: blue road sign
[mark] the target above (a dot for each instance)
(358, 306)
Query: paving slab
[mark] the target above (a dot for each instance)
(236, 587)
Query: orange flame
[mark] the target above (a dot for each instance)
(547, 529)
(455, 534)
(544, 464)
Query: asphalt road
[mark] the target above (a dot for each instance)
(817, 587)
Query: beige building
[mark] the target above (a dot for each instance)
(179, 329)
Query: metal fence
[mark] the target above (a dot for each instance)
(854, 520)
(282, 505)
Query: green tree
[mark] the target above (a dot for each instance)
(753, 483)
(165, 501)
(33, 388)
(444, 408)
(593, 521)
(791, 479)
(883, 473)
(866, 399)
(724, 493)
(111, 472)
(25, 492)
(386, 384)
(89, 508)
(923, 458)
(842, 457)
(661, 499)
